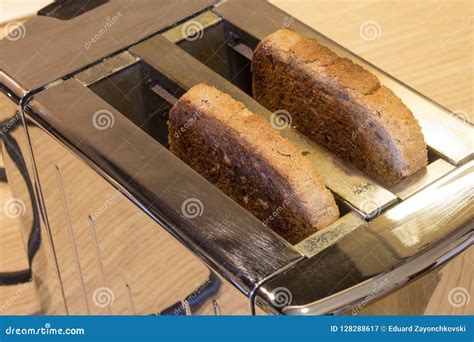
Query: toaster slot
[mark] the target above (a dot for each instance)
(214, 46)
(130, 92)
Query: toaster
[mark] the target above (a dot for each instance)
(114, 224)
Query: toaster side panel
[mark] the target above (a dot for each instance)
(24, 207)
(112, 257)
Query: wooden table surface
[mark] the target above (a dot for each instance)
(426, 44)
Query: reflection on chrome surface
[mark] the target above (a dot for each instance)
(112, 258)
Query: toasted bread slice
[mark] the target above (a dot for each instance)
(338, 104)
(251, 162)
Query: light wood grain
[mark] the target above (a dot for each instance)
(426, 44)
(457, 279)
(14, 9)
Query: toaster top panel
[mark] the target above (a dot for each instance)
(47, 48)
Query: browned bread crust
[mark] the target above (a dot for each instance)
(340, 105)
(252, 163)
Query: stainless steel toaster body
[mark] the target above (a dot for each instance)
(116, 224)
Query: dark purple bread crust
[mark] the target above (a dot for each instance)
(340, 105)
(247, 159)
